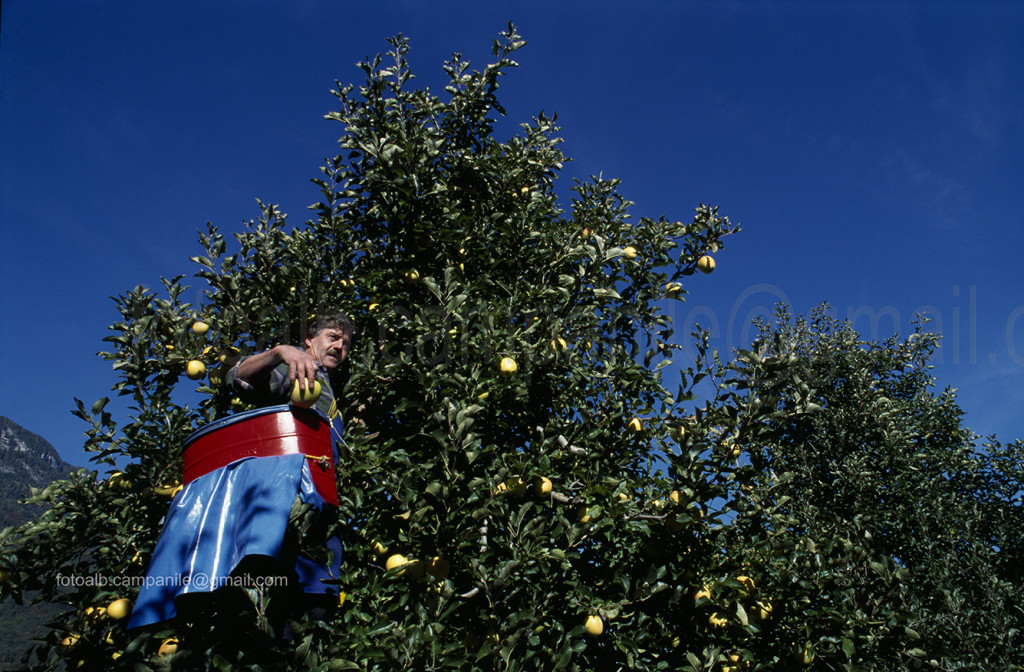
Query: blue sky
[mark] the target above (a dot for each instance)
(874, 152)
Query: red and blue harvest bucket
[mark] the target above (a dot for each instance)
(264, 432)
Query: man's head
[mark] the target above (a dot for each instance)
(329, 339)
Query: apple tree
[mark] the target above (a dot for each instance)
(505, 409)
(891, 539)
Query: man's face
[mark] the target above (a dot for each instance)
(330, 347)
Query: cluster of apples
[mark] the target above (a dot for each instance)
(117, 611)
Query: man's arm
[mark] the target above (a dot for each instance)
(301, 366)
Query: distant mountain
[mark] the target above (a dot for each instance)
(26, 459)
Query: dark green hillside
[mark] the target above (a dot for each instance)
(26, 460)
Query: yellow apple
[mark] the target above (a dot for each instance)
(398, 562)
(341, 598)
(673, 289)
(166, 490)
(542, 486)
(347, 284)
(200, 327)
(378, 548)
(748, 585)
(629, 252)
(306, 397)
(636, 425)
(717, 621)
(559, 344)
(583, 514)
(168, 647)
(763, 610)
(412, 277)
(195, 369)
(703, 593)
(118, 610)
(706, 264)
(410, 567)
(594, 625)
(508, 366)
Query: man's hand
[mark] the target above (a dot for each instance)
(301, 365)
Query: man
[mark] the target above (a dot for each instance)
(270, 376)
(257, 485)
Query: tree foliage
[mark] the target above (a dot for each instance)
(887, 542)
(822, 502)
